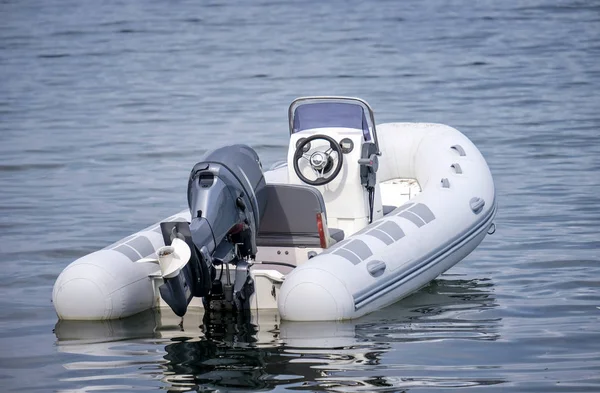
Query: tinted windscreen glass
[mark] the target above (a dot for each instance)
(330, 114)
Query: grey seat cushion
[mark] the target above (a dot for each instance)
(336, 234)
(290, 217)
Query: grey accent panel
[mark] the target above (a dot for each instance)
(477, 205)
(402, 208)
(445, 183)
(388, 284)
(290, 214)
(424, 212)
(376, 268)
(457, 168)
(381, 235)
(336, 234)
(413, 218)
(374, 225)
(459, 149)
(142, 245)
(387, 209)
(360, 248)
(120, 241)
(335, 247)
(128, 252)
(392, 229)
(347, 255)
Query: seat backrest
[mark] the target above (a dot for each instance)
(290, 218)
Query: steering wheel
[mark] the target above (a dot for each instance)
(319, 161)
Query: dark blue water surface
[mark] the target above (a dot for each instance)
(105, 107)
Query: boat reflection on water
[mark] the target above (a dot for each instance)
(260, 352)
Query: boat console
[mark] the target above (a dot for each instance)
(334, 148)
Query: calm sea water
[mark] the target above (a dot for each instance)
(106, 106)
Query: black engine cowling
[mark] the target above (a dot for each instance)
(225, 197)
(224, 190)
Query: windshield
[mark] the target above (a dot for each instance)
(330, 114)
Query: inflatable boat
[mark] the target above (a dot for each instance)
(359, 216)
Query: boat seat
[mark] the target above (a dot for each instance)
(290, 218)
(336, 234)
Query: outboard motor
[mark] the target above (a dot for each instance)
(225, 197)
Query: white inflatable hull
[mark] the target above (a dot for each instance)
(110, 283)
(387, 260)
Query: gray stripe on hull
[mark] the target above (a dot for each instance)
(343, 243)
(424, 212)
(349, 256)
(368, 227)
(152, 228)
(118, 242)
(412, 217)
(360, 248)
(128, 252)
(392, 229)
(402, 208)
(372, 293)
(142, 245)
(381, 235)
(335, 247)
